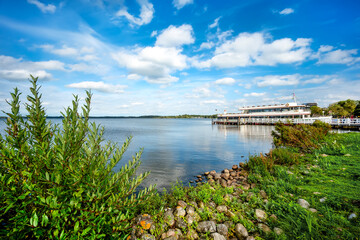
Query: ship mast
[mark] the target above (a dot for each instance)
(294, 97)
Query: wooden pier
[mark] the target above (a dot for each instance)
(337, 123)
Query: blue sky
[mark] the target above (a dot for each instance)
(160, 57)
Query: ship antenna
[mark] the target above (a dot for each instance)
(294, 97)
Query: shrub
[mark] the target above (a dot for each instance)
(59, 182)
(304, 137)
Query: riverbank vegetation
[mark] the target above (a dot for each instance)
(346, 108)
(58, 183)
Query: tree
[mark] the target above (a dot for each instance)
(357, 110)
(343, 108)
(59, 182)
(316, 111)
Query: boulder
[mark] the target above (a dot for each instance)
(189, 219)
(303, 203)
(182, 204)
(192, 234)
(190, 210)
(240, 231)
(206, 226)
(223, 182)
(180, 223)
(217, 176)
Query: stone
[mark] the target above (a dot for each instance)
(206, 226)
(147, 236)
(289, 172)
(223, 183)
(263, 194)
(221, 208)
(217, 236)
(260, 215)
(213, 172)
(228, 197)
(347, 155)
(212, 204)
(180, 223)
(190, 210)
(171, 238)
(228, 224)
(273, 217)
(316, 193)
(145, 221)
(169, 217)
(193, 204)
(278, 231)
(199, 176)
(322, 199)
(192, 234)
(225, 176)
(303, 203)
(226, 170)
(217, 176)
(246, 186)
(179, 212)
(250, 238)
(189, 219)
(312, 210)
(230, 214)
(323, 155)
(242, 164)
(206, 173)
(197, 217)
(182, 204)
(233, 174)
(249, 196)
(240, 231)
(351, 216)
(209, 177)
(211, 181)
(253, 185)
(265, 228)
(235, 167)
(222, 229)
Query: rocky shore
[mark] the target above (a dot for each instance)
(185, 221)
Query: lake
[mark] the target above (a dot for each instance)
(179, 149)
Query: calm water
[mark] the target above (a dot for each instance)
(179, 149)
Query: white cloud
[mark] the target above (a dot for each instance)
(99, 69)
(146, 13)
(254, 94)
(316, 79)
(225, 81)
(50, 8)
(18, 69)
(215, 23)
(249, 49)
(278, 80)
(206, 45)
(99, 86)
(155, 64)
(133, 76)
(327, 55)
(213, 101)
(175, 36)
(287, 11)
(179, 4)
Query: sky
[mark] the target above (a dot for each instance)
(171, 57)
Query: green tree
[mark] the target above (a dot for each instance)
(316, 111)
(357, 110)
(342, 108)
(59, 182)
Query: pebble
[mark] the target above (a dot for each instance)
(221, 208)
(265, 228)
(217, 236)
(169, 217)
(222, 229)
(179, 212)
(182, 204)
(322, 199)
(312, 210)
(278, 231)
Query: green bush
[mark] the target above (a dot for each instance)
(304, 137)
(59, 183)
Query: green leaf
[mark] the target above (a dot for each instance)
(76, 227)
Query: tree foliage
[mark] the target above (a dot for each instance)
(342, 108)
(58, 182)
(316, 111)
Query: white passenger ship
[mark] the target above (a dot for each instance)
(291, 112)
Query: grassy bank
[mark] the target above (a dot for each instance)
(324, 172)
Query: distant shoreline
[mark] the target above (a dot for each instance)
(186, 116)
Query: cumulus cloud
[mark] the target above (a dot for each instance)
(213, 101)
(155, 64)
(84, 53)
(145, 17)
(176, 36)
(49, 8)
(19, 70)
(254, 94)
(225, 81)
(249, 49)
(179, 4)
(327, 55)
(99, 86)
(286, 11)
(278, 80)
